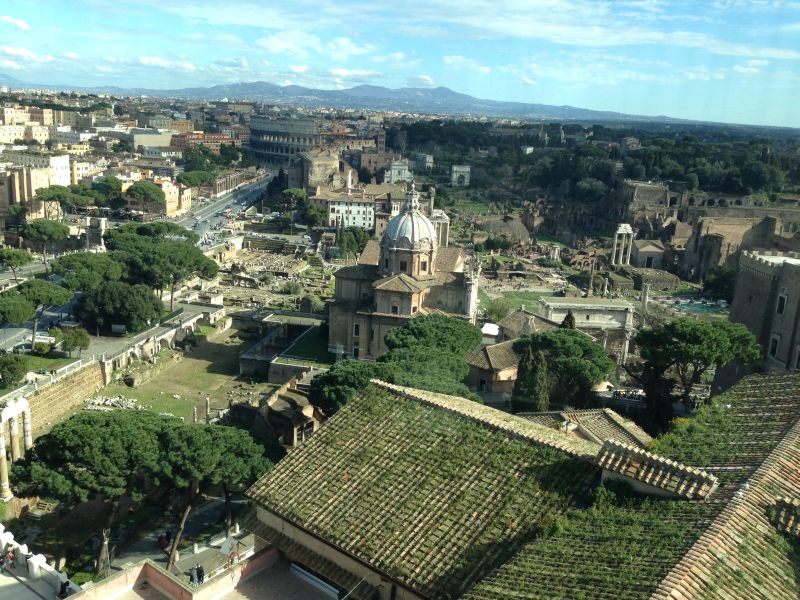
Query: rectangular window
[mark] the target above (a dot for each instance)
(424, 266)
(372, 334)
(355, 351)
(781, 304)
(356, 329)
(403, 266)
(774, 343)
(414, 309)
(395, 309)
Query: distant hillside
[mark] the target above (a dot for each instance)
(372, 97)
(9, 80)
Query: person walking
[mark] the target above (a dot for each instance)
(193, 576)
(201, 574)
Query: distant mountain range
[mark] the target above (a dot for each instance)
(439, 100)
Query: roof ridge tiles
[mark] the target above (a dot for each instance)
(639, 464)
(510, 424)
(718, 549)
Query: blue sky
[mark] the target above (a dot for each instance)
(721, 60)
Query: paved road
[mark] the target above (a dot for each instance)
(208, 218)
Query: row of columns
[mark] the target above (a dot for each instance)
(623, 243)
(27, 434)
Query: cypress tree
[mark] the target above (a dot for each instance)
(540, 383)
(523, 387)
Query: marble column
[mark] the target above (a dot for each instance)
(27, 430)
(630, 245)
(5, 490)
(614, 251)
(14, 425)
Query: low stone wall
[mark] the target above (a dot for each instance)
(53, 403)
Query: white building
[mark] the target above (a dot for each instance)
(352, 211)
(397, 172)
(11, 133)
(58, 164)
(71, 137)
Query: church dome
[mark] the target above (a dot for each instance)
(410, 225)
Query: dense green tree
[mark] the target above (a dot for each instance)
(119, 303)
(194, 457)
(721, 282)
(315, 216)
(85, 271)
(334, 388)
(532, 388)
(574, 360)
(160, 230)
(289, 200)
(42, 295)
(15, 309)
(43, 234)
(11, 258)
(436, 331)
(195, 178)
(569, 321)
(686, 349)
(76, 338)
(495, 310)
(13, 368)
(123, 146)
(242, 461)
(151, 196)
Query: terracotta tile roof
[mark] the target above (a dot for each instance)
(510, 424)
(448, 259)
(496, 357)
(742, 554)
(634, 463)
(596, 424)
(413, 483)
(522, 321)
(786, 515)
(400, 283)
(371, 254)
(360, 271)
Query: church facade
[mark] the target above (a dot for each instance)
(407, 274)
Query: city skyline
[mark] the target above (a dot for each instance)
(727, 60)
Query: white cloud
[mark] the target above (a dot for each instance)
(421, 81)
(298, 68)
(7, 63)
(397, 60)
(343, 48)
(18, 23)
(703, 73)
(294, 42)
(154, 61)
(527, 80)
(577, 23)
(25, 54)
(350, 73)
(463, 63)
(71, 55)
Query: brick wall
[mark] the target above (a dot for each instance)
(52, 404)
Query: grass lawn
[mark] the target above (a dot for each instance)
(311, 347)
(211, 369)
(43, 362)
